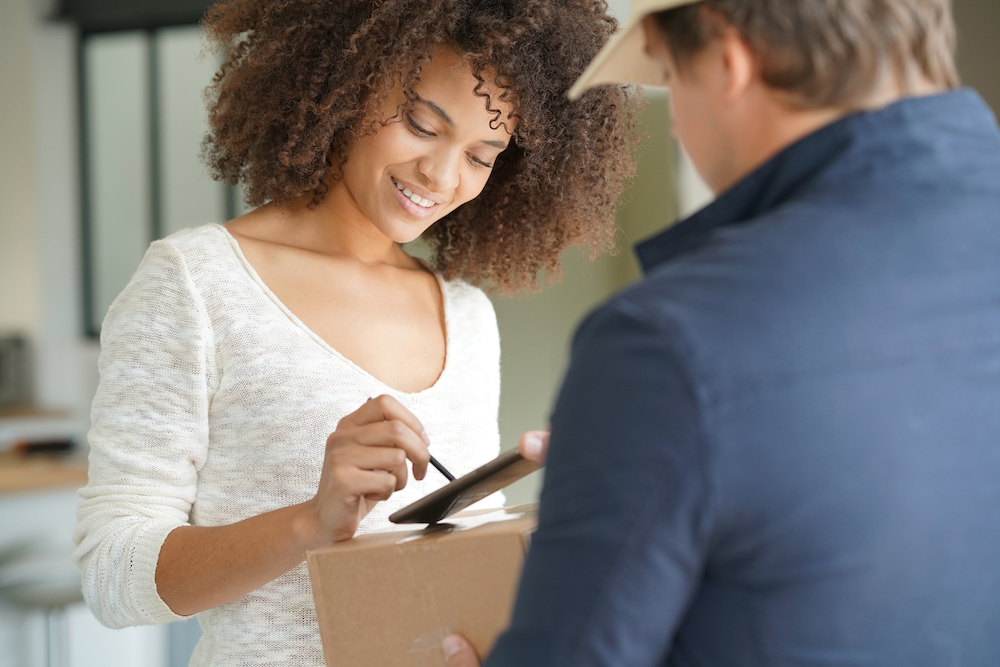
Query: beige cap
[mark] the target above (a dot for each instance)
(623, 59)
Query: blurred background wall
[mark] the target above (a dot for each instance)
(41, 266)
(40, 258)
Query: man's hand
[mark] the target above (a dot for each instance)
(534, 445)
(458, 652)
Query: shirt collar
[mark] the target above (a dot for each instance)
(788, 173)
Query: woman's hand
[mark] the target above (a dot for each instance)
(534, 445)
(201, 567)
(365, 462)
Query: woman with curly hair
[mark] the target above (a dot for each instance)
(234, 427)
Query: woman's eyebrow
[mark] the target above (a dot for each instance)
(446, 118)
(437, 110)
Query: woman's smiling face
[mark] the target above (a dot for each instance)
(432, 159)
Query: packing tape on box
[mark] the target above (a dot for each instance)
(431, 642)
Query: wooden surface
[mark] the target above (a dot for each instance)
(31, 411)
(19, 474)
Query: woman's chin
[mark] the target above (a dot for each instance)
(406, 233)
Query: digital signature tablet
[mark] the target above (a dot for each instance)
(459, 494)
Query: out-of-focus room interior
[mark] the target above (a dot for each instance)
(100, 131)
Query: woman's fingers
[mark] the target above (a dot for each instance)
(366, 463)
(385, 408)
(391, 435)
(383, 421)
(359, 456)
(534, 445)
(348, 483)
(374, 484)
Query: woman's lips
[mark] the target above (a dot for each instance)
(410, 206)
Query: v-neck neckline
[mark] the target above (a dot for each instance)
(442, 286)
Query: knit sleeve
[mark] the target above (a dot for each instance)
(148, 439)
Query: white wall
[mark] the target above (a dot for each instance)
(19, 289)
(41, 294)
(66, 373)
(39, 224)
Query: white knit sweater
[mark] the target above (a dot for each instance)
(214, 405)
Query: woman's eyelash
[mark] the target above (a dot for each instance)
(481, 163)
(418, 128)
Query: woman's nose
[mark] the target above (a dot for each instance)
(441, 168)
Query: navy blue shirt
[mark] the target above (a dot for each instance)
(782, 447)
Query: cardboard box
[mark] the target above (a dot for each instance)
(388, 599)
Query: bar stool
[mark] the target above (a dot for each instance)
(40, 577)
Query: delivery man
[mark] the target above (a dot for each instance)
(783, 446)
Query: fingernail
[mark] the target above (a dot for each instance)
(425, 438)
(451, 645)
(532, 445)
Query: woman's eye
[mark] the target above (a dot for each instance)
(416, 128)
(427, 133)
(480, 163)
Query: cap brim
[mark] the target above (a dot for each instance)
(624, 59)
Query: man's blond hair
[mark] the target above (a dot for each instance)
(826, 53)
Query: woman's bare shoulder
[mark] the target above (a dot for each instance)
(261, 225)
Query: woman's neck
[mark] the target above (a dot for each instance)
(337, 227)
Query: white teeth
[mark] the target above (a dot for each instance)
(412, 196)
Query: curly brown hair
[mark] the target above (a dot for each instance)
(303, 79)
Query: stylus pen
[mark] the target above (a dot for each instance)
(442, 469)
(437, 464)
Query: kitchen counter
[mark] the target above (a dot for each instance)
(20, 474)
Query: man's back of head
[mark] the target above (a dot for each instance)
(767, 73)
(827, 53)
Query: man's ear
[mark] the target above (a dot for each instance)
(655, 47)
(739, 64)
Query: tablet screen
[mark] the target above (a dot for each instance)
(459, 494)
